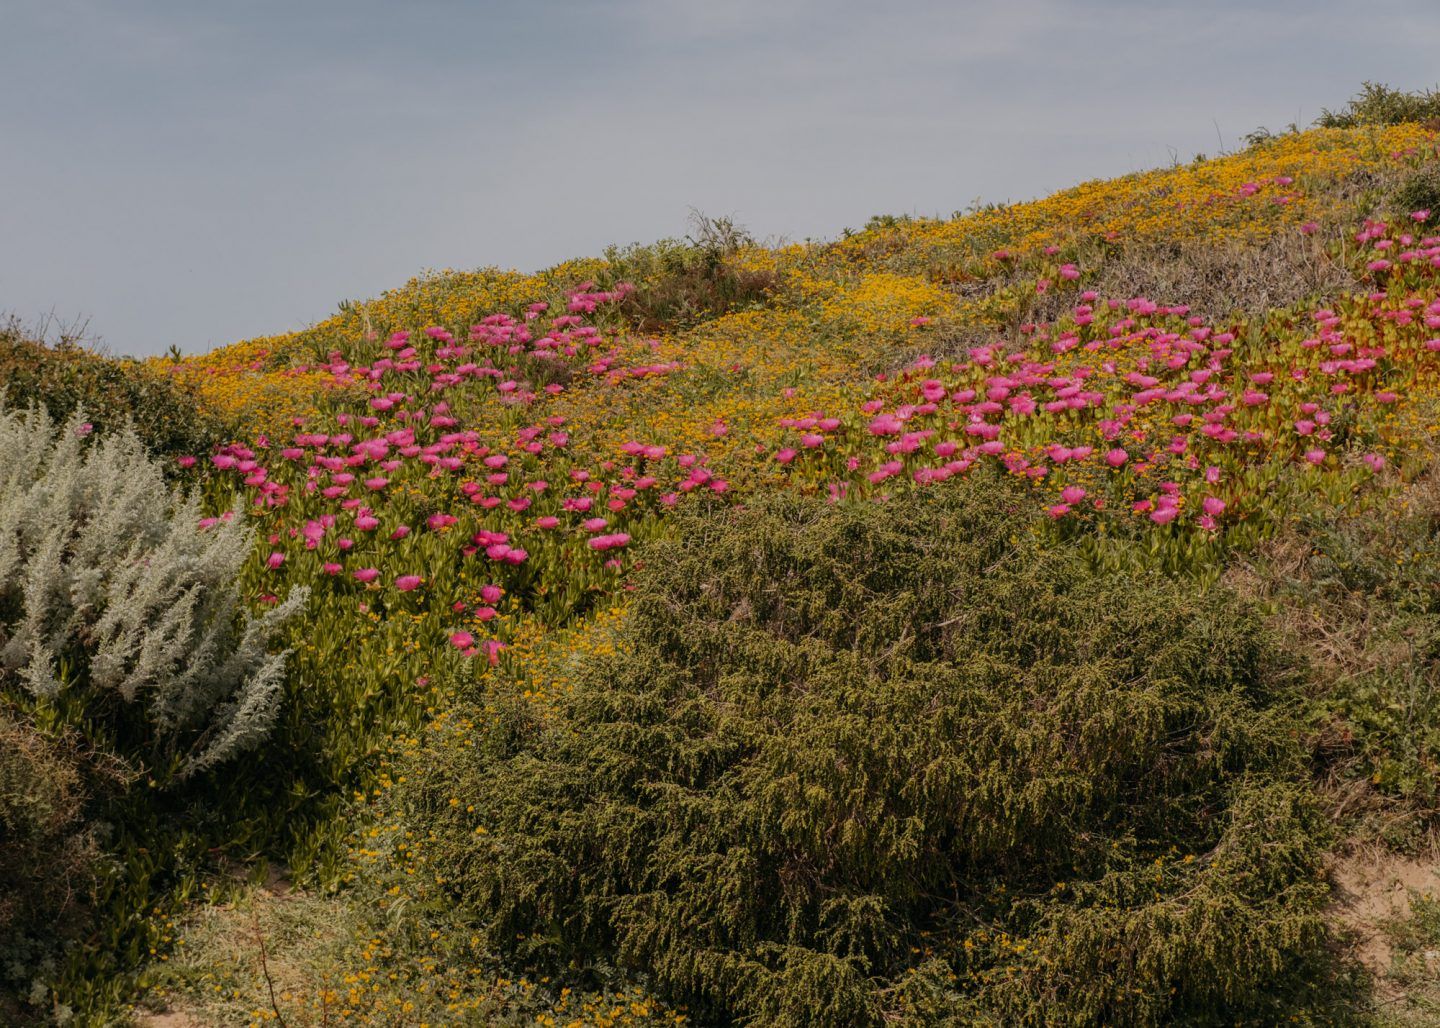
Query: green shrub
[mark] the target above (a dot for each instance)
(863, 762)
(66, 378)
(1378, 104)
(680, 282)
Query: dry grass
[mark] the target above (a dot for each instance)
(1373, 889)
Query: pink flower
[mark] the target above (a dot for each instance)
(1315, 457)
(1072, 494)
(609, 542)
(462, 640)
(1213, 505)
(548, 521)
(367, 575)
(332, 568)
(1116, 457)
(886, 424)
(275, 559)
(405, 583)
(887, 470)
(185, 461)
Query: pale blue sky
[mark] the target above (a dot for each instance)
(197, 172)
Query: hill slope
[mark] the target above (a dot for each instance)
(1212, 386)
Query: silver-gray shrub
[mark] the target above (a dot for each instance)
(108, 584)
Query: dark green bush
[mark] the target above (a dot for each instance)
(855, 763)
(67, 377)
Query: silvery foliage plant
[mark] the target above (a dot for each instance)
(110, 584)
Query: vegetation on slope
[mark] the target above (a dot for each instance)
(126, 657)
(1173, 406)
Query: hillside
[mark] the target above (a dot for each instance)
(1025, 617)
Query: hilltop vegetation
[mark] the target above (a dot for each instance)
(67, 378)
(1002, 619)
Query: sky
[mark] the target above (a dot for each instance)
(193, 173)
